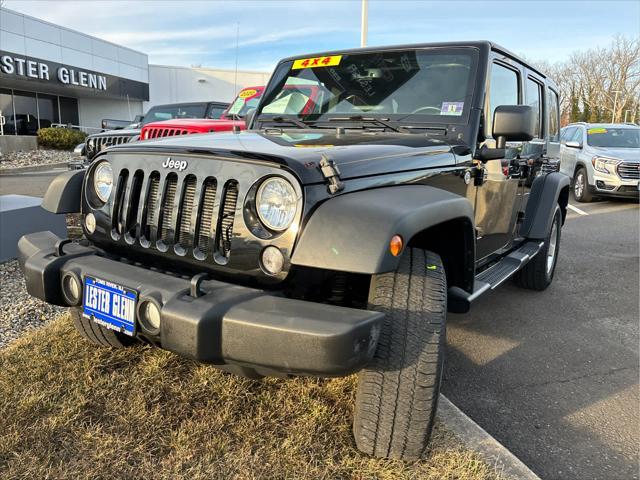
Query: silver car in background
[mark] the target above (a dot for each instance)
(602, 159)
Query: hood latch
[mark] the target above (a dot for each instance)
(331, 173)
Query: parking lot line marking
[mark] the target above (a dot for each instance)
(576, 209)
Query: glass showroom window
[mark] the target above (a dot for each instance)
(69, 111)
(47, 110)
(6, 110)
(26, 112)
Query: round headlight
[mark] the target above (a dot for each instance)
(276, 203)
(103, 181)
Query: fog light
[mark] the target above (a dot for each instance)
(272, 260)
(149, 314)
(90, 222)
(71, 289)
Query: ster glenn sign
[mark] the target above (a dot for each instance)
(24, 67)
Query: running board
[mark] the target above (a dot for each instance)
(460, 300)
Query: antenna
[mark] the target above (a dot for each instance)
(364, 23)
(235, 75)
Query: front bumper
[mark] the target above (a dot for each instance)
(611, 184)
(248, 331)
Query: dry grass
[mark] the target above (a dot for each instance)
(72, 410)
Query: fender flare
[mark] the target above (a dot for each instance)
(546, 192)
(351, 232)
(64, 194)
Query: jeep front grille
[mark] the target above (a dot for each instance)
(163, 212)
(108, 141)
(166, 207)
(157, 132)
(225, 220)
(629, 171)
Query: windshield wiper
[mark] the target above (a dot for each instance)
(290, 120)
(384, 122)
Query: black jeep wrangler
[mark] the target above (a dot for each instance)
(330, 238)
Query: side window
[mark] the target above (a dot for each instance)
(567, 134)
(215, 112)
(554, 120)
(503, 89)
(534, 96)
(577, 136)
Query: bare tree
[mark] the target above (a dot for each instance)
(600, 84)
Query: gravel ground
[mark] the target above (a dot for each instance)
(33, 157)
(19, 311)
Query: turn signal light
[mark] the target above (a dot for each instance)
(395, 245)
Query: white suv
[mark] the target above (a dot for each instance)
(602, 159)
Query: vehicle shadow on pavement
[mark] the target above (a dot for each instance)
(553, 375)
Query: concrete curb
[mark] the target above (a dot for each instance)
(477, 439)
(35, 168)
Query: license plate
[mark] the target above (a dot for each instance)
(110, 305)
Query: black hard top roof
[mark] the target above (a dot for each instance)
(204, 102)
(479, 44)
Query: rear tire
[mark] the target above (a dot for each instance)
(538, 273)
(97, 334)
(581, 186)
(398, 392)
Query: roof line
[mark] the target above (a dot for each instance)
(209, 68)
(73, 31)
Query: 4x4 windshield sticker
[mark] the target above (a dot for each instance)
(593, 131)
(315, 62)
(452, 108)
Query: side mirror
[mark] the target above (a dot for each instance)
(248, 118)
(513, 123)
(573, 144)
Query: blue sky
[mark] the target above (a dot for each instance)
(204, 32)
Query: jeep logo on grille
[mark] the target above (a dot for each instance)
(179, 165)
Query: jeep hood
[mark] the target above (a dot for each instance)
(130, 132)
(626, 154)
(356, 154)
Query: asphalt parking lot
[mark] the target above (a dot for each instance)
(553, 375)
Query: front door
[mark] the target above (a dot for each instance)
(498, 200)
(499, 195)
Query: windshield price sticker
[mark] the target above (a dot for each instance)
(247, 93)
(593, 131)
(452, 108)
(330, 61)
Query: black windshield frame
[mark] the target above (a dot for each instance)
(282, 73)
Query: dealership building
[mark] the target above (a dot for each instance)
(53, 75)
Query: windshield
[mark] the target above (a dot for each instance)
(169, 112)
(614, 137)
(245, 101)
(431, 84)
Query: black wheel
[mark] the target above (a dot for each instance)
(538, 273)
(398, 392)
(97, 334)
(581, 186)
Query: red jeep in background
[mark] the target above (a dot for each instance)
(247, 99)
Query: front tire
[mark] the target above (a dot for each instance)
(538, 273)
(398, 392)
(98, 335)
(581, 186)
